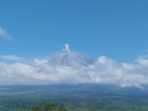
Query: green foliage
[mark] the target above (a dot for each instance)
(69, 104)
(47, 107)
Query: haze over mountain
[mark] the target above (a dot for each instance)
(70, 67)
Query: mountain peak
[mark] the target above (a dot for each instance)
(71, 58)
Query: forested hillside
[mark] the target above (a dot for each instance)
(73, 98)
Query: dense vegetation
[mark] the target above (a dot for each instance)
(73, 105)
(47, 107)
(73, 98)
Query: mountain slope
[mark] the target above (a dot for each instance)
(71, 58)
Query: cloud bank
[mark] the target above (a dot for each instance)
(104, 70)
(70, 67)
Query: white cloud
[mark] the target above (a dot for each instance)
(4, 33)
(10, 58)
(104, 70)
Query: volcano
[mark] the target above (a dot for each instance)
(71, 58)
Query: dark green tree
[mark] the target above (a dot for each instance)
(48, 107)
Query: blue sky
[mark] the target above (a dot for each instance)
(114, 28)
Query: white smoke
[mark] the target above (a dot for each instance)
(66, 47)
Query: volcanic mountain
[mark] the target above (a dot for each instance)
(71, 58)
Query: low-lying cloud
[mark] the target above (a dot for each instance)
(104, 70)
